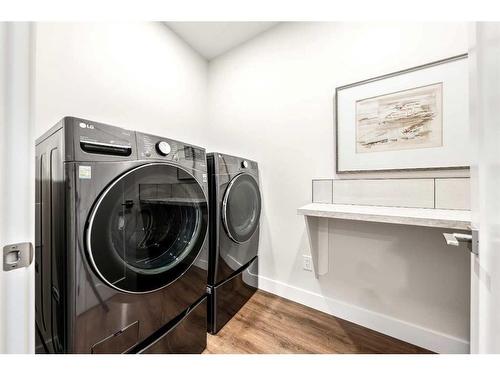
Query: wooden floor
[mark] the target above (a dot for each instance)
(271, 324)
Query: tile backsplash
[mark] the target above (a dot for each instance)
(444, 193)
(453, 193)
(322, 191)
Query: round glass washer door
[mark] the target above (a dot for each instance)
(241, 208)
(147, 228)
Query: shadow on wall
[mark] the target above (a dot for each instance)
(406, 273)
(265, 236)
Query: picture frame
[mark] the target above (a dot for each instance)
(412, 119)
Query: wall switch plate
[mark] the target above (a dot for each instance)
(307, 262)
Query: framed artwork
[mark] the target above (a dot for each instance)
(417, 118)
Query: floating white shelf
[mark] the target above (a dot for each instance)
(424, 217)
(317, 215)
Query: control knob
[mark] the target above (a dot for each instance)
(163, 148)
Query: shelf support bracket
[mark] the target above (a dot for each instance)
(319, 242)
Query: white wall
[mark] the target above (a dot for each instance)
(271, 100)
(134, 75)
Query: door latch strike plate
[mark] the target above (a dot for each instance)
(17, 255)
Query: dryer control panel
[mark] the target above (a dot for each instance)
(228, 164)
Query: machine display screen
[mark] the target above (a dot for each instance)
(193, 153)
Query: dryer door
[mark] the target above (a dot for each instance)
(147, 228)
(241, 208)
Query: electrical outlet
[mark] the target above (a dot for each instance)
(307, 262)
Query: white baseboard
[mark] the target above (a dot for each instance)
(405, 331)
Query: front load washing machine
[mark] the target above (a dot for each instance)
(121, 241)
(235, 206)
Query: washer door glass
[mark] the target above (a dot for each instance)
(241, 208)
(147, 228)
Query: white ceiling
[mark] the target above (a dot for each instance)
(211, 39)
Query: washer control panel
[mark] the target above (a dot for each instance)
(152, 147)
(159, 148)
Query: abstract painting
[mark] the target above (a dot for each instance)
(403, 120)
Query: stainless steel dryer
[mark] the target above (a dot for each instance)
(235, 206)
(121, 241)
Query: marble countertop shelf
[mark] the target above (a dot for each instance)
(426, 217)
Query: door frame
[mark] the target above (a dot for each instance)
(484, 90)
(17, 188)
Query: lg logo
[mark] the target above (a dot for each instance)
(86, 126)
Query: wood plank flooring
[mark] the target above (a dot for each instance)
(269, 324)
